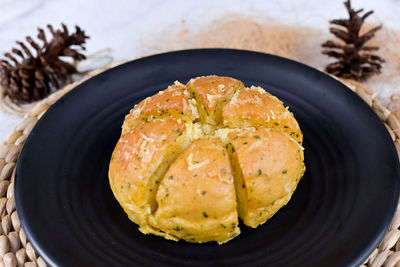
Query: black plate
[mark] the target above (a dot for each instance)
(340, 211)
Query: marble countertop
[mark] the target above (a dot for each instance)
(123, 25)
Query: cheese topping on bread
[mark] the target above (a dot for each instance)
(194, 159)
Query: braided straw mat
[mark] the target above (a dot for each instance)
(15, 249)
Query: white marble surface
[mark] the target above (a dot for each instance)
(123, 25)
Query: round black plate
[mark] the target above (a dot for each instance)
(339, 212)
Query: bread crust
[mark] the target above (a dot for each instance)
(196, 198)
(193, 159)
(254, 107)
(173, 102)
(134, 161)
(212, 93)
(271, 165)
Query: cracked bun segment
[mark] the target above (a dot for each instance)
(173, 102)
(211, 94)
(268, 166)
(255, 107)
(196, 198)
(194, 159)
(139, 160)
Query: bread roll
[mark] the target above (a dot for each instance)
(211, 94)
(255, 107)
(174, 102)
(196, 198)
(193, 159)
(268, 166)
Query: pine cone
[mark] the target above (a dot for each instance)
(34, 77)
(355, 60)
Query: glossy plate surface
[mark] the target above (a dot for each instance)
(339, 212)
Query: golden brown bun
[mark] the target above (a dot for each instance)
(196, 199)
(140, 158)
(173, 102)
(255, 107)
(191, 161)
(269, 164)
(211, 93)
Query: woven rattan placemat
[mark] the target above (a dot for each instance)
(15, 249)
